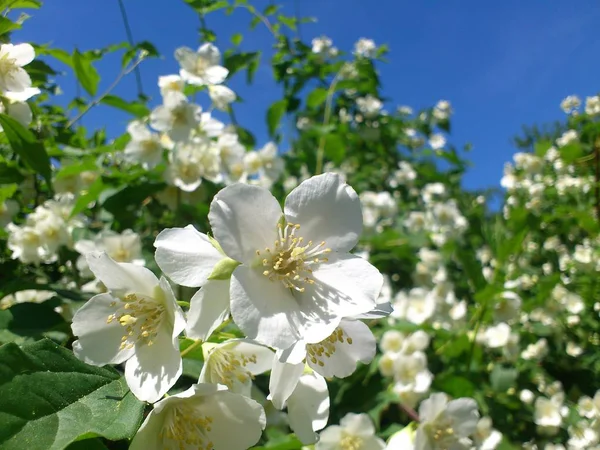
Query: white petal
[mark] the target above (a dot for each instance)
(176, 314)
(283, 381)
(22, 96)
(294, 354)
(22, 53)
(122, 277)
(209, 308)
(99, 342)
(308, 407)
(185, 255)
(21, 112)
(263, 355)
(264, 310)
(358, 425)
(343, 360)
(138, 131)
(350, 283)
(237, 420)
(146, 437)
(215, 74)
(154, 369)
(17, 81)
(330, 438)
(380, 311)
(209, 53)
(465, 415)
(160, 118)
(373, 443)
(244, 219)
(434, 405)
(327, 209)
(186, 57)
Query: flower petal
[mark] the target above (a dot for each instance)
(350, 284)
(358, 346)
(244, 219)
(308, 407)
(23, 54)
(99, 342)
(358, 425)
(185, 255)
(209, 308)
(215, 74)
(238, 421)
(122, 277)
(186, 57)
(327, 209)
(154, 369)
(261, 355)
(146, 437)
(294, 354)
(264, 310)
(283, 381)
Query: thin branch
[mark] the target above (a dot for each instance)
(97, 100)
(326, 118)
(138, 76)
(195, 345)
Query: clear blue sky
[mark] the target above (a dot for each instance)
(501, 64)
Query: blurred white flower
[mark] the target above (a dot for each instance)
(201, 67)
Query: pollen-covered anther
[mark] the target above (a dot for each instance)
(187, 427)
(140, 317)
(327, 347)
(229, 365)
(289, 261)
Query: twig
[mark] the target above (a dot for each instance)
(326, 118)
(195, 345)
(99, 99)
(138, 76)
(410, 412)
(260, 17)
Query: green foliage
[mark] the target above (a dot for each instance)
(86, 73)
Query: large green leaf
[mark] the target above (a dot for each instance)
(86, 73)
(51, 399)
(275, 114)
(25, 144)
(27, 321)
(138, 109)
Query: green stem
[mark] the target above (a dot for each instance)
(326, 118)
(195, 345)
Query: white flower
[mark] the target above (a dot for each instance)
(201, 67)
(355, 431)
(365, 48)
(206, 416)
(136, 322)
(12, 59)
(170, 83)
(485, 437)
(188, 258)
(442, 110)
(497, 335)
(26, 296)
(296, 278)
(234, 363)
(548, 413)
(592, 105)
(411, 375)
(369, 106)
(324, 46)
(570, 104)
(193, 161)
(444, 424)
(221, 96)
(18, 108)
(145, 147)
(437, 141)
(176, 116)
(121, 247)
(567, 137)
(402, 440)
(417, 307)
(536, 351)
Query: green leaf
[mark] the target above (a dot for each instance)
(316, 98)
(289, 22)
(25, 144)
(85, 72)
(503, 378)
(137, 109)
(270, 10)
(335, 149)
(7, 191)
(51, 399)
(236, 62)
(7, 25)
(570, 153)
(24, 321)
(275, 114)
(92, 194)
(541, 147)
(236, 39)
(252, 68)
(20, 4)
(9, 173)
(223, 269)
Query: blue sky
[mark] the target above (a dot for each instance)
(500, 64)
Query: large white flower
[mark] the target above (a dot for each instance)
(234, 363)
(137, 321)
(355, 431)
(201, 67)
(206, 416)
(12, 59)
(188, 258)
(296, 278)
(446, 425)
(176, 116)
(145, 147)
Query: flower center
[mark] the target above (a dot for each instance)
(327, 347)
(150, 146)
(442, 432)
(8, 65)
(141, 318)
(121, 255)
(289, 261)
(228, 366)
(350, 442)
(186, 428)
